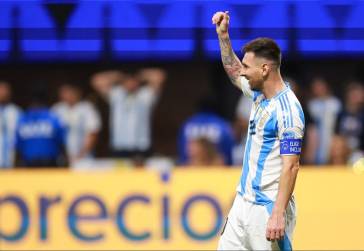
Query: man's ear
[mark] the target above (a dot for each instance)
(265, 70)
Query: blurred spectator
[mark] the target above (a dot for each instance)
(350, 122)
(81, 120)
(131, 99)
(202, 152)
(309, 142)
(323, 108)
(339, 151)
(9, 115)
(101, 83)
(40, 137)
(210, 126)
(240, 127)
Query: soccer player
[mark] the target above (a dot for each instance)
(263, 213)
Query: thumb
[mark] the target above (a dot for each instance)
(225, 19)
(226, 15)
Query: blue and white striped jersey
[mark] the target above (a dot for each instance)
(130, 118)
(79, 120)
(9, 115)
(276, 127)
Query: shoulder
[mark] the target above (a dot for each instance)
(58, 107)
(14, 109)
(289, 110)
(86, 105)
(146, 90)
(50, 115)
(335, 103)
(117, 91)
(22, 118)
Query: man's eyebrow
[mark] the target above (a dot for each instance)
(244, 64)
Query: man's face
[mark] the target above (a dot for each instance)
(355, 96)
(69, 95)
(196, 153)
(253, 71)
(4, 92)
(131, 84)
(319, 88)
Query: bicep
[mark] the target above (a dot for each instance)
(290, 161)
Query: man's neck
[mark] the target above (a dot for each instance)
(273, 86)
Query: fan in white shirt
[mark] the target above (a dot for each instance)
(81, 120)
(131, 98)
(9, 115)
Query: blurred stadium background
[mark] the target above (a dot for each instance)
(120, 130)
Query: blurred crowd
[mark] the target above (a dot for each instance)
(114, 122)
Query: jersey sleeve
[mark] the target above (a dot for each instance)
(291, 125)
(245, 88)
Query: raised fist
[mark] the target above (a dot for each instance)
(221, 20)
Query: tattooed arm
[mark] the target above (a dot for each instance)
(230, 61)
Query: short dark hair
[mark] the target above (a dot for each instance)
(70, 84)
(39, 93)
(264, 47)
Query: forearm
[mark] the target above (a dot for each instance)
(231, 62)
(153, 77)
(286, 187)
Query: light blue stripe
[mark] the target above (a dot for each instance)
(255, 95)
(284, 117)
(320, 153)
(267, 146)
(300, 113)
(246, 163)
(290, 109)
(281, 93)
(5, 138)
(286, 109)
(285, 244)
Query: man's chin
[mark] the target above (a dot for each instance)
(253, 87)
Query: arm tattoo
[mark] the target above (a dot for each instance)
(230, 61)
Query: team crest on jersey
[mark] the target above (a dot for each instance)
(264, 118)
